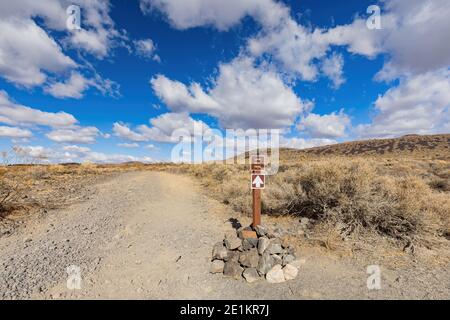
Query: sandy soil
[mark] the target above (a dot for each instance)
(149, 235)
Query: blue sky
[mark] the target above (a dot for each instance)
(137, 70)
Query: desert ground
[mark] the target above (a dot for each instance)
(147, 231)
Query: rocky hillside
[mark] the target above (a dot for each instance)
(428, 146)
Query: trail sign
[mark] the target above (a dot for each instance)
(258, 181)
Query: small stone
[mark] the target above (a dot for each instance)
(275, 275)
(233, 270)
(260, 231)
(277, 259)
(251, 275)
(274, 247)
(230, 234)
(247, 234)
(290, 272)
(265, 263)
(232, 256)
(263, 243)
(26, 240)
(249, 258)
(233, 243)
(250, 243)
(219, 251)
(217, 266)
(288, 259)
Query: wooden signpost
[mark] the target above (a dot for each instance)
(258, 180)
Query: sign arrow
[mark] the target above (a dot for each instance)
(258, 182)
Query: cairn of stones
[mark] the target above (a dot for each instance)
(255, 254)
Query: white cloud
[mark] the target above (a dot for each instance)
(12, 113)
(416, 37)
(243, 96)
(13, 132)
(75, 86)
(35, 52)
(419, 104)
(128, 145)
(146, 48)
(92, 41)
(76, 149)
(219, 14)
(98, 35)
(300, 143)
(75, 135)
(124, 132)
(32, 52)
(331, 125)
(30, 154)
(72, 88)
(332, 68)
(163, 128)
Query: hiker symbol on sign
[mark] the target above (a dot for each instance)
(258, 181)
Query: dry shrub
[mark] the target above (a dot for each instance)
(354, 195)
(12, 189)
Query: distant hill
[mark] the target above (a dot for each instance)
(421, 146)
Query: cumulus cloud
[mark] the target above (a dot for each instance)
(128, 145)
(163, 128)
(76, 149)
(301, 143)
(72, 88)
(332, 67)
(29, 154)
(219, 14)
(75, 86)
(415, 37)
(74, 135)
(419, 104)
(146, 49)
(331, 125)
(34, 53)
(243, 96)
(13, 132)
(124, 132)
(12, 113)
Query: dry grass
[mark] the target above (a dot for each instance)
(358, 196)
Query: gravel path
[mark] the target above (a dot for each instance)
(149, 235)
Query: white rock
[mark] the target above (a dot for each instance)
(290, 272)
(263, 243)
(275, 275)
(251, 275)
(217, 266)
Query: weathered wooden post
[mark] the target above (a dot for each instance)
(258, 178)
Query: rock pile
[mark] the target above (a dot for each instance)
(254, 254)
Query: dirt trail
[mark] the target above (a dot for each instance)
(149, 235)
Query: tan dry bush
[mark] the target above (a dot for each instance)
(12, 188)
(235, 192)
(352, 194)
